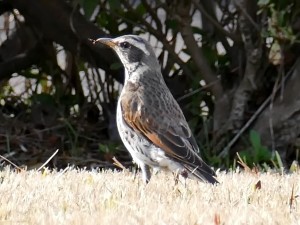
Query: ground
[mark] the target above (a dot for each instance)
(111, 197)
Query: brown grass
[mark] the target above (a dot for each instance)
(83, 197)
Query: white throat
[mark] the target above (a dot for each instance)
(135, 71)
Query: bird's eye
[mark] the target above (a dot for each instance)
(124, 45)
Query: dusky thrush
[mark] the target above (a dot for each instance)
(150, 121)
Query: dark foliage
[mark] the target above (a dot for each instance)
(232, 65)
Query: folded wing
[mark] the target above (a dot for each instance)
(171, 133)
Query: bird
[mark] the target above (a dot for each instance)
(150, 122)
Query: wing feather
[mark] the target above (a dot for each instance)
(175, 138)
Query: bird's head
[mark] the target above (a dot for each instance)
(133, 51)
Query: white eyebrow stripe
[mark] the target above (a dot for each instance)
(142, 46)
(138, 43)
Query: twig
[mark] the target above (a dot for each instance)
(255, 115)
(10, 162)
(62, 172)
(118, 164)
(242, 163)
(19, 62)
(153, 15)
(48, 160)
(166, 45)
(196, 91)
(10, 154)
(196, 52)
(292, 198)
(247, 16)
(215, 23)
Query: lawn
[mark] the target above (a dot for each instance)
(108, 197)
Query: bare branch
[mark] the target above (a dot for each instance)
(153, 14)
(196, 52)
(54, 24)
(241, 6)
(253, 48)
(48, 160)
(166, 45)
(19, 62)
(267, 102)
(215, 23)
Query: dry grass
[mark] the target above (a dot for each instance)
(83, 197)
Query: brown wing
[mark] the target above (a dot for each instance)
(165, 128)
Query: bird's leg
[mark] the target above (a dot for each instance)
(145, 173)
(180, 173)
(176, 177)
(185, 175)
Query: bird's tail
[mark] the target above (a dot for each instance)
(203, 173)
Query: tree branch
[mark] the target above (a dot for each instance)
(240, 5)
(19, 62)
(19, 52)
(209, 19)
(215, 23)
(166, 45)
(253, 49)
(196, 53)
(51, 20)
(153, 15)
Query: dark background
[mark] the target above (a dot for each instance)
(232, 65)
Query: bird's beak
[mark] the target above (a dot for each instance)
(106, 41)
